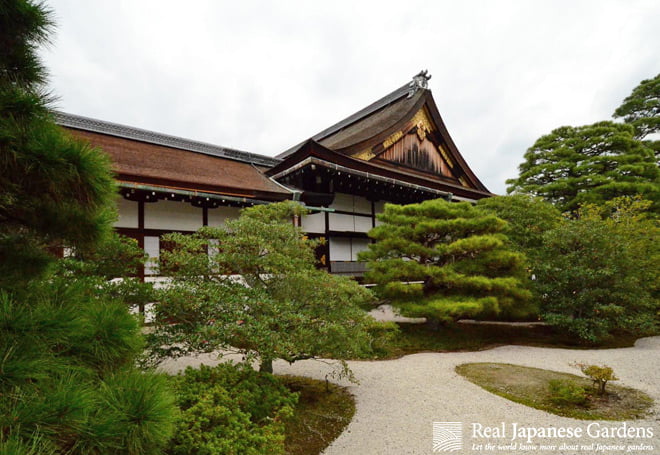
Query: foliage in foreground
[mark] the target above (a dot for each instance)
(252, 286)
(447, 261)
(531, 387)
(230, 409)
(67, 380)
(55, 190)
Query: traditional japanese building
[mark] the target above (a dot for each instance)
(395, 150)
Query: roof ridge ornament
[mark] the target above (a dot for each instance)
(419, 81)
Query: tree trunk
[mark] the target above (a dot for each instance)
(266, 366)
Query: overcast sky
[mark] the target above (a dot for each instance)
(263, 76)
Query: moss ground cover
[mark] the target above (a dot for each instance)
(319, 417)
(534, 387)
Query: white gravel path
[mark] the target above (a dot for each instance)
(398, 400)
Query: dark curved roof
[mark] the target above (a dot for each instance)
(374, 124)
(351, 119)
(371, 125)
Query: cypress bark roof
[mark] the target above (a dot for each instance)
(374, 130)
(147, 162)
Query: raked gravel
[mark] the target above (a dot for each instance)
(398, 401)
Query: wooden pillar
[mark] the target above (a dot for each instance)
(327, 239)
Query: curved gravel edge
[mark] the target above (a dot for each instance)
(398, 400)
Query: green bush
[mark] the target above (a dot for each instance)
(229, 410)
(567, 393)
(598, 274)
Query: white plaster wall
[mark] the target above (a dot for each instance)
(358, 245)
(172, 215)
(361, 205)
(347, 249)
(350, 203)
(218, 216)
(152, 248)
(314, 223)
(362, 223)
(342, 223)
(340, 249)
(343, 201)
(128, 213)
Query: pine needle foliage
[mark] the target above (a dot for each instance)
(446, 261)
(252, 286)
(67, 347)
(54, 190)
(588, 164)
(641, 108)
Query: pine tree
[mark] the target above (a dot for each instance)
(54, 190)
(641, 108)
(446, 261)
(588, 164)
(289, 309)
(67, 378)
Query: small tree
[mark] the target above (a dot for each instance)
(446, 261)
(600, 375)
(252, 286)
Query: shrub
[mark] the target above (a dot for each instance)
(567, 393)
(230, 409)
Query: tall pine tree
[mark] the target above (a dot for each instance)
(446, 261)
(588, 164)
(67, 378)
(54, 190)
(641, 108)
